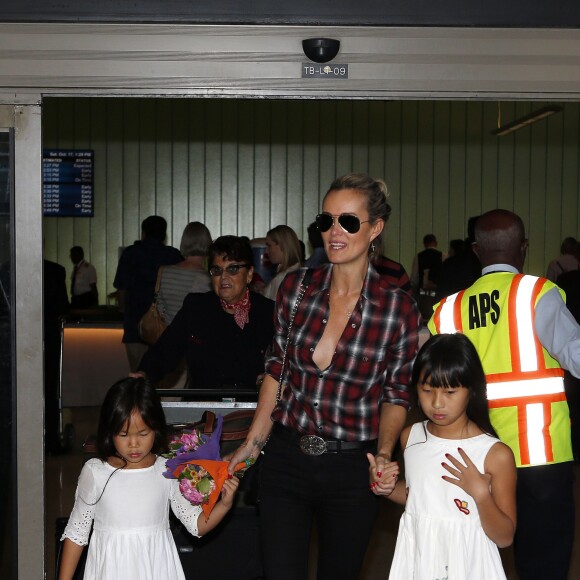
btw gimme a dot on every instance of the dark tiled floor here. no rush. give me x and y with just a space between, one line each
62 473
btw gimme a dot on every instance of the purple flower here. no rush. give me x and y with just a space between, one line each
206 448
191 441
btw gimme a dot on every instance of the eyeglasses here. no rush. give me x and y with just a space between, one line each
349 222
232 269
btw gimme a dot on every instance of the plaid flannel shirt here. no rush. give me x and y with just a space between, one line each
372 363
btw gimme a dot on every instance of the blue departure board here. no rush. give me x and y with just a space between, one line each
67 182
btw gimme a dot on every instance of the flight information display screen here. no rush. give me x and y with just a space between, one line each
67 182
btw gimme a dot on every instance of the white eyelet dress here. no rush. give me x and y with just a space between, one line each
440 534
131 536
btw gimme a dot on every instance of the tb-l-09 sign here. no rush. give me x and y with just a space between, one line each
326 71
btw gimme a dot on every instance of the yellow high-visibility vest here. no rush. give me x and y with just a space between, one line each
525 386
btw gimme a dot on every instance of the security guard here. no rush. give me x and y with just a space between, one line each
525 336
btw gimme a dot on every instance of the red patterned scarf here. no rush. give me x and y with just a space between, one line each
241 309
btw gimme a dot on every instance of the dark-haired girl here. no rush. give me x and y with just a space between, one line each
124 493
459 487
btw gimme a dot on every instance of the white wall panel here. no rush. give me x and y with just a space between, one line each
245 166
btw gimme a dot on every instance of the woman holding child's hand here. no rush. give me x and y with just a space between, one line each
383 475
346 365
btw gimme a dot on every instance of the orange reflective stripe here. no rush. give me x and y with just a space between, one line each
522 434
521 404
457 318
529 375
539 349
513 324
523 401
546 433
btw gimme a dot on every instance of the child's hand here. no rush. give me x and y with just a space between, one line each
382 482
221 508
229 490
468 477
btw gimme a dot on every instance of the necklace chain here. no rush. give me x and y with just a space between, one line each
347 312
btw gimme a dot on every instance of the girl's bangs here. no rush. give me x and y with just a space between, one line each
444 373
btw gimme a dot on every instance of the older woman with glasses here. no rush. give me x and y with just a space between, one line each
335 394
223 333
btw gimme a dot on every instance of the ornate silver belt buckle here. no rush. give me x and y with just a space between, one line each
312 445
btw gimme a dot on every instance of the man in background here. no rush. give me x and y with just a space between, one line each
425 275
392 271
570 283
55 305
83 287
318 256
462 268
135 281
567 261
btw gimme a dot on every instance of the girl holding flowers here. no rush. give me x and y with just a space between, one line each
124 492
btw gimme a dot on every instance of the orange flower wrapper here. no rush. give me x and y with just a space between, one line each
218 470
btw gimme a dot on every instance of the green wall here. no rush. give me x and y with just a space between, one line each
244 166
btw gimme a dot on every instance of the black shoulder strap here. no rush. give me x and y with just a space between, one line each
307 277
303 287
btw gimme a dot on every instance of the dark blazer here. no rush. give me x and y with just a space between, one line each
217 351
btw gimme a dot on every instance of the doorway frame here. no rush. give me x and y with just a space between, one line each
184 61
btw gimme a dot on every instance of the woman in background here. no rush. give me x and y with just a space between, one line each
567 261
179 280
187 276
284 250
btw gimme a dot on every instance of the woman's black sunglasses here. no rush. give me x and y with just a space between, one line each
347 221
232 269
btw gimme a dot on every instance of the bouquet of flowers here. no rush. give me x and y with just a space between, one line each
196 484
194 459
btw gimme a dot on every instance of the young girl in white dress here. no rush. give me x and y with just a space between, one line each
127 497
460 480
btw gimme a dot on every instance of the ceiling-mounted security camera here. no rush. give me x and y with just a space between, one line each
320 49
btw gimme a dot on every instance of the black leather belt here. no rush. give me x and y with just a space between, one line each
315 445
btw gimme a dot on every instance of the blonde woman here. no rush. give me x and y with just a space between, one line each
284 251
346 366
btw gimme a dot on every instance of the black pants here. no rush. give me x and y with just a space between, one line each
83 301
333 489
572 386
545 526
